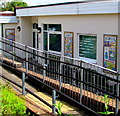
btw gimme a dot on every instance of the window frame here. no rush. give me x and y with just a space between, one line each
48 39
84 58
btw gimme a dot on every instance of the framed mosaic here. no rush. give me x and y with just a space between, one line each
110 52
68 44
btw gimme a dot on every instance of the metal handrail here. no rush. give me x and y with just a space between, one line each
77 74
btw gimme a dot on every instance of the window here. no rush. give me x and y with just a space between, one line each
87 46
55 42
52 37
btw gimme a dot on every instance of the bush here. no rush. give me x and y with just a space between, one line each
11 103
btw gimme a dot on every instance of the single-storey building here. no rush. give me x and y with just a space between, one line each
8 20
87 30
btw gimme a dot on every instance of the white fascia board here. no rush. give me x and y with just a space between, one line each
22 12
8 19
54 10
98 7
48 10
101 7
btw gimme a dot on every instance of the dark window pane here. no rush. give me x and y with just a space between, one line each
54 27
45 41
55 42
87 46
45 27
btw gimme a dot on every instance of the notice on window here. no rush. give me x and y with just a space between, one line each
87 46
110 52
68 44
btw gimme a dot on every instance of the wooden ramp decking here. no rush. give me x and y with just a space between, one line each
10 62
69 87
33 103
66 108
86 94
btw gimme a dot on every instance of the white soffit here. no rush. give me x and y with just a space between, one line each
8 19
101 7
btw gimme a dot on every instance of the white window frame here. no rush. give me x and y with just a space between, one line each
83 58
52 32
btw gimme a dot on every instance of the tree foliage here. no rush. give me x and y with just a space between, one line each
10 6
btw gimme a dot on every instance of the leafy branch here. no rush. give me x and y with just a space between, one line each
106 102
59 107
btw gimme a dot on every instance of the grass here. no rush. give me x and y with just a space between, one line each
11 104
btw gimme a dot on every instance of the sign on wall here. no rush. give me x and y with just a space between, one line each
10 34
110 52
68 44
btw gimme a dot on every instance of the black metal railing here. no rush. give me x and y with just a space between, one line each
80 81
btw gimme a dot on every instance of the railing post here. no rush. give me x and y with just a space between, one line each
26 58
3 47
117 100
60 80
44 71
53 101
13 50
0 46
81 85
1 51
23 83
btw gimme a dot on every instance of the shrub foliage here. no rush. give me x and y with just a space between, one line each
11 104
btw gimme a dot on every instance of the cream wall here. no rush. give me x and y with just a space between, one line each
34 19
84 24
26 30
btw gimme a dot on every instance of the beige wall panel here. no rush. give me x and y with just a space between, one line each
26 30
85 24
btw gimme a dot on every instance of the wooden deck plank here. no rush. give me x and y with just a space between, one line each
65 109
9 61
69 87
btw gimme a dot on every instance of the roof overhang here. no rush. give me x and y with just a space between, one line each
8 19
75 8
